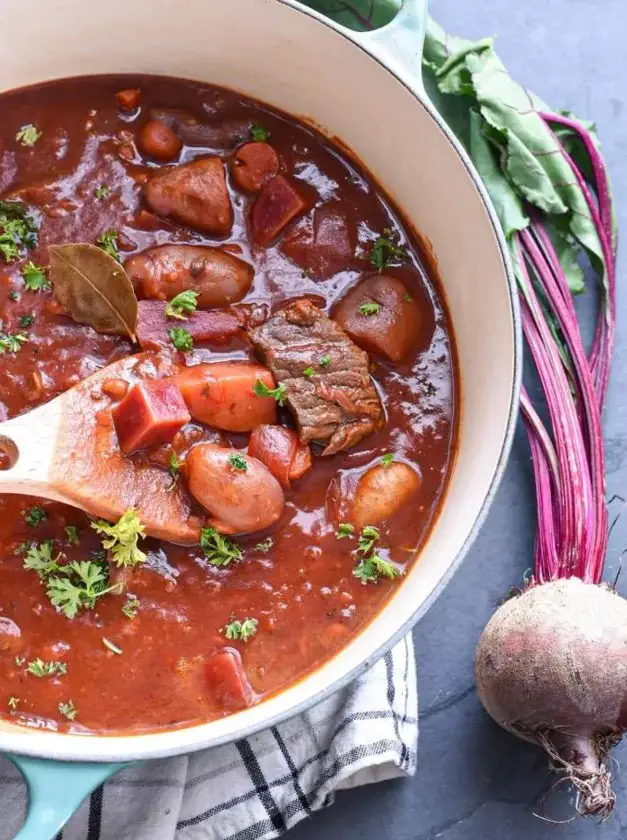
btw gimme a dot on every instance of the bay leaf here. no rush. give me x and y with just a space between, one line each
94 288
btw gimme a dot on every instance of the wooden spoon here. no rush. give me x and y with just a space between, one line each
67 450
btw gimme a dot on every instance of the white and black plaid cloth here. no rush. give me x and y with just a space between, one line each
261 786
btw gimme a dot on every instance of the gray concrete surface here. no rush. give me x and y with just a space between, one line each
474 781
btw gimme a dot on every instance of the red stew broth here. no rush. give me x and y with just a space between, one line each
302 592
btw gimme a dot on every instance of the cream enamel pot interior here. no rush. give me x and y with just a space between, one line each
366 90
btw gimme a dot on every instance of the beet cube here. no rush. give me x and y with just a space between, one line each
227 680
277 204
150 414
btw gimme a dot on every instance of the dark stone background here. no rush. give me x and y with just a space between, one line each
474 781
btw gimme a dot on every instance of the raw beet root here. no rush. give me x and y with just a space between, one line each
551 667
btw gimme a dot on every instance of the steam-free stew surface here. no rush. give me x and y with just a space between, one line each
152 665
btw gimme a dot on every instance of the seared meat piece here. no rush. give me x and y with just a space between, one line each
325 376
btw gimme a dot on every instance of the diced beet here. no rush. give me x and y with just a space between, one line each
277 204
214 327
323 243
227 680
128 99
150 414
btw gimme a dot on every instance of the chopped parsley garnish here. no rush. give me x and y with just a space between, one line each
35 279
67 709
308 372
131 607
219 550
388 459
18 229
174 468
78 585
111 646
259 133
265 546
344 530
109 244
386 251
28 135
39 559
34 516
181 339
20 660
371 565
39 668
407 297
27 321
279 393
181 305
241 630
102 192
13 703
11 343
325 361
369 307
238 462
72 532
15 296
122 538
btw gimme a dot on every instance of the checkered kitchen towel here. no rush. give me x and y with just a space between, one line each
260 787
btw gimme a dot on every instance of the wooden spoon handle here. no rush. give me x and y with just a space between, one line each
28 443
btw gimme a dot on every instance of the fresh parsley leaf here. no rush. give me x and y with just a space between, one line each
181 339
181 305
174 466
28 135
27 321
369 307
386 251
82 583
325 361
35 279
13 703
367 539
11 343
111 646
259 133
122 538
67 709
109 244
279 393
14 296
241 631
238 462
371 568
407 297
72 533
34 516
131 607
219 550
18 229
19 661
102 192
39 668
344 530
388 459
265 546
39 559
308 372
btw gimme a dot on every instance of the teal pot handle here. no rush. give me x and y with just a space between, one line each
397 44
55 790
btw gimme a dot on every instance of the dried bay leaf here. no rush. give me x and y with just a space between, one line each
94 288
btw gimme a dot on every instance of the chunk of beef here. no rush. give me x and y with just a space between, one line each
337 402
193 194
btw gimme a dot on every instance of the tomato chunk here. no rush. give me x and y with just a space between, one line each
227 680
150 414
277 204
215 327
221 395
280 449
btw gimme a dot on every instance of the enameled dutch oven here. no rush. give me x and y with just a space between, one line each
365 89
